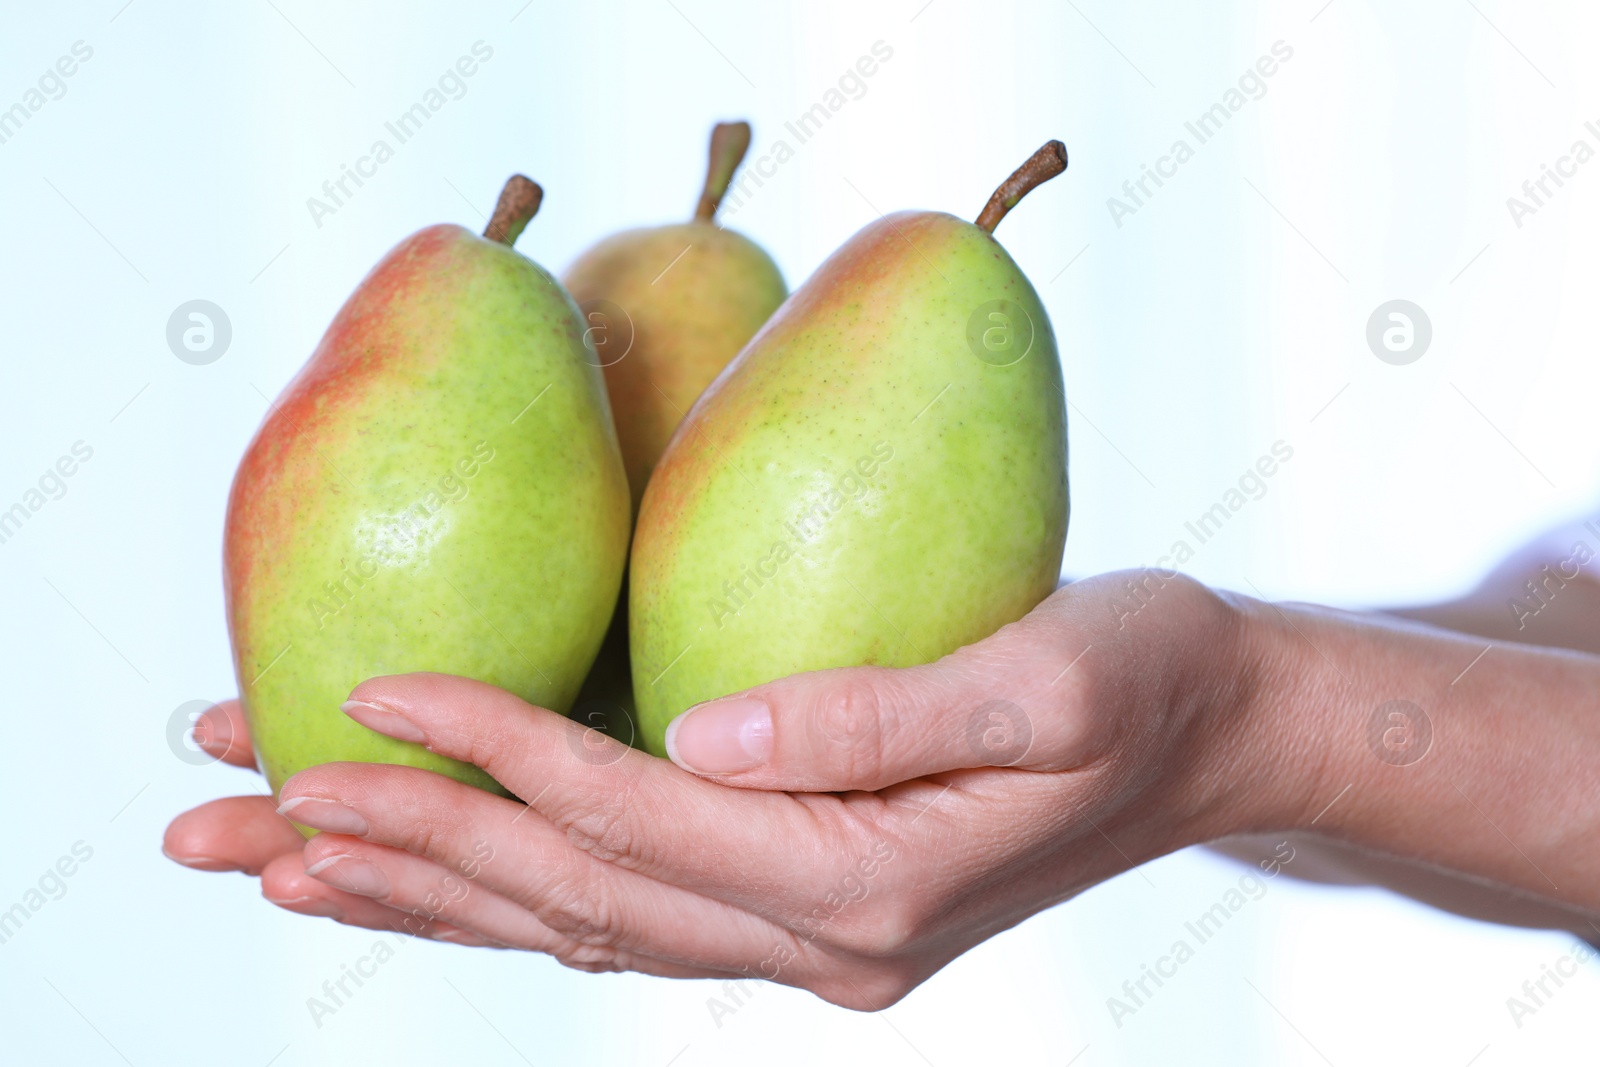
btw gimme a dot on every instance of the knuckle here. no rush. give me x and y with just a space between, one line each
850 724
602 831
581 909
590 959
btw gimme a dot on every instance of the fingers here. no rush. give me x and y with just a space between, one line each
524 858
285 883
231 834
247 834
421 891
992 704
618 804
222 732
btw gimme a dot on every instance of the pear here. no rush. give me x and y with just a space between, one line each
879 477
438 489
668 306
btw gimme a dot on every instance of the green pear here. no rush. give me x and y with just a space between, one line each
668 306
439 489
880 476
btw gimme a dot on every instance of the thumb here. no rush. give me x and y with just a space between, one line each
992 704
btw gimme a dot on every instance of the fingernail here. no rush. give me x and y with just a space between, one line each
352 874
385 721
214 736
317 906
319 814
721 736
203 863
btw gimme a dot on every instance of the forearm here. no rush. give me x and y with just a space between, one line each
1508 787
1547 593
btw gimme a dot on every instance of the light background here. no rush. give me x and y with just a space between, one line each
1227 313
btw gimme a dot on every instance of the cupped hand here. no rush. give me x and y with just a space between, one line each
247 834
846 831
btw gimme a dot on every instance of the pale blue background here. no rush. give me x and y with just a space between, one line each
1223 316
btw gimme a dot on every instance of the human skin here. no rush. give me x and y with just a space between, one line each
1198 716
1561 611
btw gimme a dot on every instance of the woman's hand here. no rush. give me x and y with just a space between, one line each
247 834
884 821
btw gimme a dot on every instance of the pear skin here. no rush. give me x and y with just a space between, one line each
880 477
669 306
439 489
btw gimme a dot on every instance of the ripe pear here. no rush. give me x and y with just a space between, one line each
880 477
439 489
668 306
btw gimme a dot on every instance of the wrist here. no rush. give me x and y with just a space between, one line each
1238 753
1265 750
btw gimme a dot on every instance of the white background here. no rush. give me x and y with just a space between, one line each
1228 313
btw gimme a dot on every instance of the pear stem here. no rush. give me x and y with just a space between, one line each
1046 163
519 202
729 142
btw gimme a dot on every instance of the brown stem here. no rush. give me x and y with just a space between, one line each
729 142
1043 165
519 202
